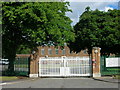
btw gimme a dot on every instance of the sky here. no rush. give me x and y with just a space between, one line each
78 7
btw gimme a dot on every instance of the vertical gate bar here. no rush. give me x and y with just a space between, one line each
47 67
64 65
39 67
76 66
88 66
79 65
43 67
52 66
46 64
40 64
82 66
85 65
73 65
22 64
18 64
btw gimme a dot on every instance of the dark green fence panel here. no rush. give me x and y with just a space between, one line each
21 66
108 70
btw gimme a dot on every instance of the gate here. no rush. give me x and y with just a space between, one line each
64 66
21 66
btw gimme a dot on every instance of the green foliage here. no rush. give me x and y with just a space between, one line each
23 50
33 24
98 29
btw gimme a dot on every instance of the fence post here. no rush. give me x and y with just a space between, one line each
96 62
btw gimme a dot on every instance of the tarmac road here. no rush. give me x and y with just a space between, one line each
62 83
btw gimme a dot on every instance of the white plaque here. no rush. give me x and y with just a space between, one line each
113 62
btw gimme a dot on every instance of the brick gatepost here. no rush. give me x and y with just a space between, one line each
96 62
34 61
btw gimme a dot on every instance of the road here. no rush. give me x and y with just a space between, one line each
61 83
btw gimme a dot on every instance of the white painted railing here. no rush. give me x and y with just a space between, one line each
65 66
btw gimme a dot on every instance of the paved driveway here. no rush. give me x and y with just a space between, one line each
62 83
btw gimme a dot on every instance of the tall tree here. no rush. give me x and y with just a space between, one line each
98 29
34 24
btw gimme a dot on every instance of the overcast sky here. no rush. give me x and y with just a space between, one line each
78 7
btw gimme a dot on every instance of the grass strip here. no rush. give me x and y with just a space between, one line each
8 78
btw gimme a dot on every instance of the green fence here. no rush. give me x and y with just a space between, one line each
108 70
21 66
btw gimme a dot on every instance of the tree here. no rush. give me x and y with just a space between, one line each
33 24
23 50
98 29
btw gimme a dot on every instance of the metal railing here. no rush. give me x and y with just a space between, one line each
21 67
109 70
65 66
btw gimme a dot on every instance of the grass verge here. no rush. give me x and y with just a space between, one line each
117 76
10 78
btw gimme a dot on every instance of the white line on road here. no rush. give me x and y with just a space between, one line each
16 82
3 83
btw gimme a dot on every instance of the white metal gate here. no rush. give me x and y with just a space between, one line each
64 66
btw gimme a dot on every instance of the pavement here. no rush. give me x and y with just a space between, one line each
107 79
74 82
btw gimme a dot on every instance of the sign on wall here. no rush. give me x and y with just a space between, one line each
113 62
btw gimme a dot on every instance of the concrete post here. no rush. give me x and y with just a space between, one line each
96 62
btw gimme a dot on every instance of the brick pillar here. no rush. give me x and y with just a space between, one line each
34 58
96 62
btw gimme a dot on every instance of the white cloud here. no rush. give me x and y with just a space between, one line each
92 0
107 8
79 7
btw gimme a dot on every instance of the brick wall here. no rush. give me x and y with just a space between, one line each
52 52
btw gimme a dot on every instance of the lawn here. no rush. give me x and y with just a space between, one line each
8 78
117 77
11 78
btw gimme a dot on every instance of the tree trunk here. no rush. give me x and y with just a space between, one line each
11 57
11 64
